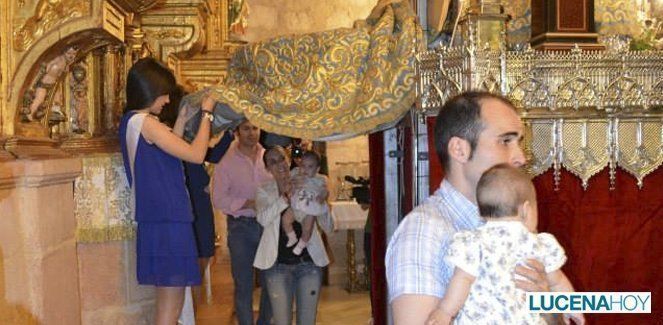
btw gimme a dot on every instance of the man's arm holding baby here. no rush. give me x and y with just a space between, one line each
416 308
536 279
414 267
559 282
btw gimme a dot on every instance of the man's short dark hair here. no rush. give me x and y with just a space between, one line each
461 117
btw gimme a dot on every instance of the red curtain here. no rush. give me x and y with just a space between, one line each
613 239
378 245
435 167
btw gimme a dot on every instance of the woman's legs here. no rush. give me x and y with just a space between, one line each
309 281
279 281
169 305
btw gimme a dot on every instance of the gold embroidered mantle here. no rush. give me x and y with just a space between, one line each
341 82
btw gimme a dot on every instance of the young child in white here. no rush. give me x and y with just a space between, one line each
308 197
484 258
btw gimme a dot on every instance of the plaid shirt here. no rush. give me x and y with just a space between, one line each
415 255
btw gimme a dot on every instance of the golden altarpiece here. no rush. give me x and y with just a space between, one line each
62 70
64 62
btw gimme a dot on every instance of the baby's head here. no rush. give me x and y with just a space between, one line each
504 191
310 164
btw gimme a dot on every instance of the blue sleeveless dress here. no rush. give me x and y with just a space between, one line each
166 252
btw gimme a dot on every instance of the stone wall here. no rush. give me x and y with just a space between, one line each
109 291
347 157
46 277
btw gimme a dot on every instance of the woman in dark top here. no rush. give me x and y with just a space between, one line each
197 182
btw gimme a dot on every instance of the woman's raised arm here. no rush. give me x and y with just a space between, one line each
164 138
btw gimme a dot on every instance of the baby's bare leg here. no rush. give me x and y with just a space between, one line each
307 228
286 223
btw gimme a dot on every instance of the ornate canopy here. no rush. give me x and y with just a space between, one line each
336 83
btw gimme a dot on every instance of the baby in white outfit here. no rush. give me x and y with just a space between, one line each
482 289
307 196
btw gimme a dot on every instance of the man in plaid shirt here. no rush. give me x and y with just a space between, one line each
473 132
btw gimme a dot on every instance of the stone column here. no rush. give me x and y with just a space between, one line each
112 68
98 92
560 24
38 265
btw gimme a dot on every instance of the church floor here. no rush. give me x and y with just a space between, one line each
337 306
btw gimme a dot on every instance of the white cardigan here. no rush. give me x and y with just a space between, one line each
269 206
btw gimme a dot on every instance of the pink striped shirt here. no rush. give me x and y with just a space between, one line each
236 180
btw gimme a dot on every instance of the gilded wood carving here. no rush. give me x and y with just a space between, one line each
47 15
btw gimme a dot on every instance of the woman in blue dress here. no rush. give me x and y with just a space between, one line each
166 255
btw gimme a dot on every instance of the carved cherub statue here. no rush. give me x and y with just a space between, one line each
53 71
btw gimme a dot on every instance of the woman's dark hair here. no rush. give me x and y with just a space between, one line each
268 152
169 113
147 80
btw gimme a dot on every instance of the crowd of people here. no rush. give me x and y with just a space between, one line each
453 258
271 215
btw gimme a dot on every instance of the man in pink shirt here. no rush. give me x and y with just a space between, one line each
236 179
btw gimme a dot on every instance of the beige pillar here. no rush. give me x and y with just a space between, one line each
38 264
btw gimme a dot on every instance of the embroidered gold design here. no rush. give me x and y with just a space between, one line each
102 197
343 81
